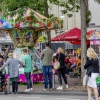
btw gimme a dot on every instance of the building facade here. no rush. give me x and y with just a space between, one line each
75 20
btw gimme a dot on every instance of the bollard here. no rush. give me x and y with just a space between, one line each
8 88
53 81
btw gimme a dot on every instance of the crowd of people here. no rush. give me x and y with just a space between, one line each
49 58
91 66
47 55
7 60
67 63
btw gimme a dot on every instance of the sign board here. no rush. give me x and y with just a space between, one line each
68 45
41 37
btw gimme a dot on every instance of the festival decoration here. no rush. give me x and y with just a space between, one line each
24 32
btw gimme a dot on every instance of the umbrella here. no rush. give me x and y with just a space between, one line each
73 36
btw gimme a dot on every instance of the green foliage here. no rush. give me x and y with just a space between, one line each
10 7
98 1
70 6
88 17
13 6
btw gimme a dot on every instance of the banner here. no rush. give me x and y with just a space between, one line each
95 42
93 36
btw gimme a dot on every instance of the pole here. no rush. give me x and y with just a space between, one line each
53 81
8 88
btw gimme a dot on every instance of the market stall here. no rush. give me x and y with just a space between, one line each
94 37
73 36
24 33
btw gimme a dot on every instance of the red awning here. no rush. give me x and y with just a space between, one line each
73 36
69 35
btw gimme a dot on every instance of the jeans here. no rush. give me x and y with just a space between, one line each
47 71
14 87
61 73
28 79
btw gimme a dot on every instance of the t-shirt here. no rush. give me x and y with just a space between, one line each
47 57
28 63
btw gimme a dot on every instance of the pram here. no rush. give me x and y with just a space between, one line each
3 82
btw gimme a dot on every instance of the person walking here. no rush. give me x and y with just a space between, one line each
61 71
13 71
92 66
27 64
47 54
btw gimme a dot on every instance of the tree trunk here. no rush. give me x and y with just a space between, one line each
47 15
83 36
87 10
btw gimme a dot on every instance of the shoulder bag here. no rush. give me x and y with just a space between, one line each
57 64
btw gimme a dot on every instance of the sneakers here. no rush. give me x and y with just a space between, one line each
92 99
50 89
60 88
27 90
45 89
12 92
66 86
31 89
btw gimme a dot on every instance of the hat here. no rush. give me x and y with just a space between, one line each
10 55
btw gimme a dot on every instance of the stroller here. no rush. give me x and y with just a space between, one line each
3 82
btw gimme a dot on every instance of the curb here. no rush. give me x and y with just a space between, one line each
75 93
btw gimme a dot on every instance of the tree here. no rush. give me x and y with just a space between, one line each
83 4
84 12
11 7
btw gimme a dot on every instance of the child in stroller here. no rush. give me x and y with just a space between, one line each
2 78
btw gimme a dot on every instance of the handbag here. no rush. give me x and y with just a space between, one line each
89 70
57 64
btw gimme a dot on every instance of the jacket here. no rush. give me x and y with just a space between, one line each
13 67
61 58
92 65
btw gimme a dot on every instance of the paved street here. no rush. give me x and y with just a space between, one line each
40 97
72 93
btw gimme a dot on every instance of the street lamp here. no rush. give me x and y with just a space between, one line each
62 16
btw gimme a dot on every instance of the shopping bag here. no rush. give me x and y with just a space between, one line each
98 80
85 80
